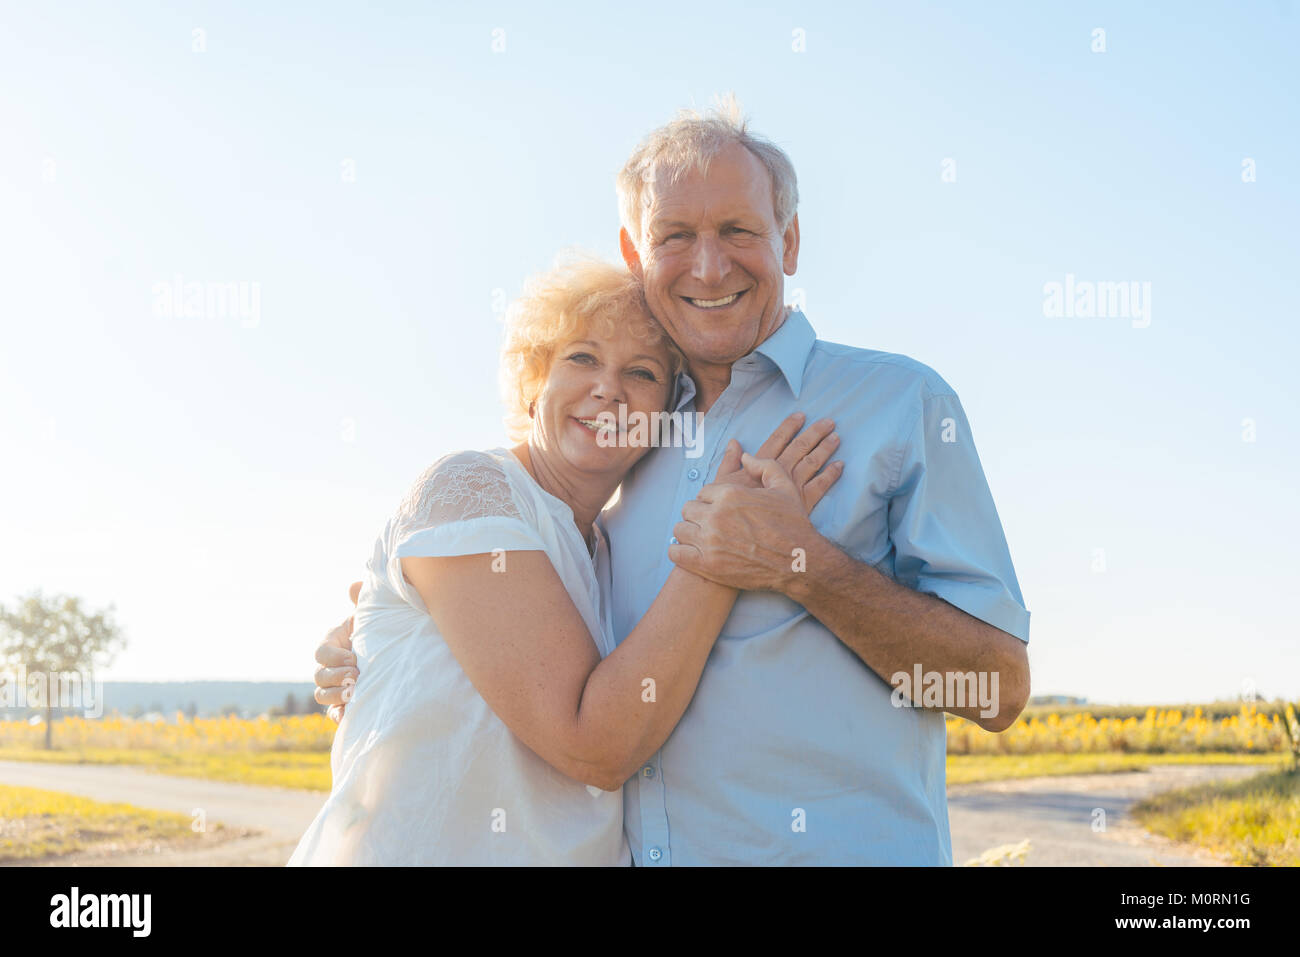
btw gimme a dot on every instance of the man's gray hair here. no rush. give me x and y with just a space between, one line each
690 142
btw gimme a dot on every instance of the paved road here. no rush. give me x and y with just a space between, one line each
1056 814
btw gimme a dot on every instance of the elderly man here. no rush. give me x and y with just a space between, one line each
816 735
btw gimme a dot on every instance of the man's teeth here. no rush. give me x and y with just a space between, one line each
598 426
713 303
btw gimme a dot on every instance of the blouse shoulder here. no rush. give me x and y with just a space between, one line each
457 488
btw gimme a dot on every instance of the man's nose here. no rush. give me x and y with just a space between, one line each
711 264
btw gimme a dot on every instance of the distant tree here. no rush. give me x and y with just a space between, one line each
192 711
230 709
290 704
56 636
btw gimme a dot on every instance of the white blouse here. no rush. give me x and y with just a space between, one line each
424 771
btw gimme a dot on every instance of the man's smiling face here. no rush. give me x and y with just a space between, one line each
713 259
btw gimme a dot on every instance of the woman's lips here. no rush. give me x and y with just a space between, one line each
588 429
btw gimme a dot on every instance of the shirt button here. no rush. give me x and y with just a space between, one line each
655 853
648 772
693 474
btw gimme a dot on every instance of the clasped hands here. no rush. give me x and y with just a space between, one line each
744 529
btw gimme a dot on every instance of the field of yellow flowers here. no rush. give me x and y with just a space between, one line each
313 732
1157 732
290 752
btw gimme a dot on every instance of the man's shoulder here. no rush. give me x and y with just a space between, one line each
893 369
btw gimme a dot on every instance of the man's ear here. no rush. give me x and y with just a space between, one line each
630 255
790 258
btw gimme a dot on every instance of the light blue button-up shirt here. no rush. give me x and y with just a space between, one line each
791 752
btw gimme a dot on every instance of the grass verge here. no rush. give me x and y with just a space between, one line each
1252 822
36 825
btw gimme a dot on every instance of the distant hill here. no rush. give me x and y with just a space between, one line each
1057 699
206 698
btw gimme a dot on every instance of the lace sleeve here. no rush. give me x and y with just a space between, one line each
461 505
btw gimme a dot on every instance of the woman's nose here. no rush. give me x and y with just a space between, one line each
603 389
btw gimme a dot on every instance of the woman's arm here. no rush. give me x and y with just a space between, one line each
528 652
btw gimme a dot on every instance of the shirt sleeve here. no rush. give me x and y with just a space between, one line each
947 538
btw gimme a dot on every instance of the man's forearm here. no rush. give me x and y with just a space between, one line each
895 629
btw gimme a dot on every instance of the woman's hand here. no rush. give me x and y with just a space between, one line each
801 455
336 678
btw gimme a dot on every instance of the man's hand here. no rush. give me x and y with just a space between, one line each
750 538
337 675
801 454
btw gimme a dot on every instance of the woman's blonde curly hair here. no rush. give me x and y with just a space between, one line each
580 296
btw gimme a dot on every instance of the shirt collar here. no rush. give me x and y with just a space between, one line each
789 347
684 392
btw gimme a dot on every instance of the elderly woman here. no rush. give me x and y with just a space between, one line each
495 720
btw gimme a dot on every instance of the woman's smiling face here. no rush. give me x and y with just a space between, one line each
590 379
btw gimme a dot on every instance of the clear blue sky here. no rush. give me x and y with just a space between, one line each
221 482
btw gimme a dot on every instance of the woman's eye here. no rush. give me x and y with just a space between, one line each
645 374
581 357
